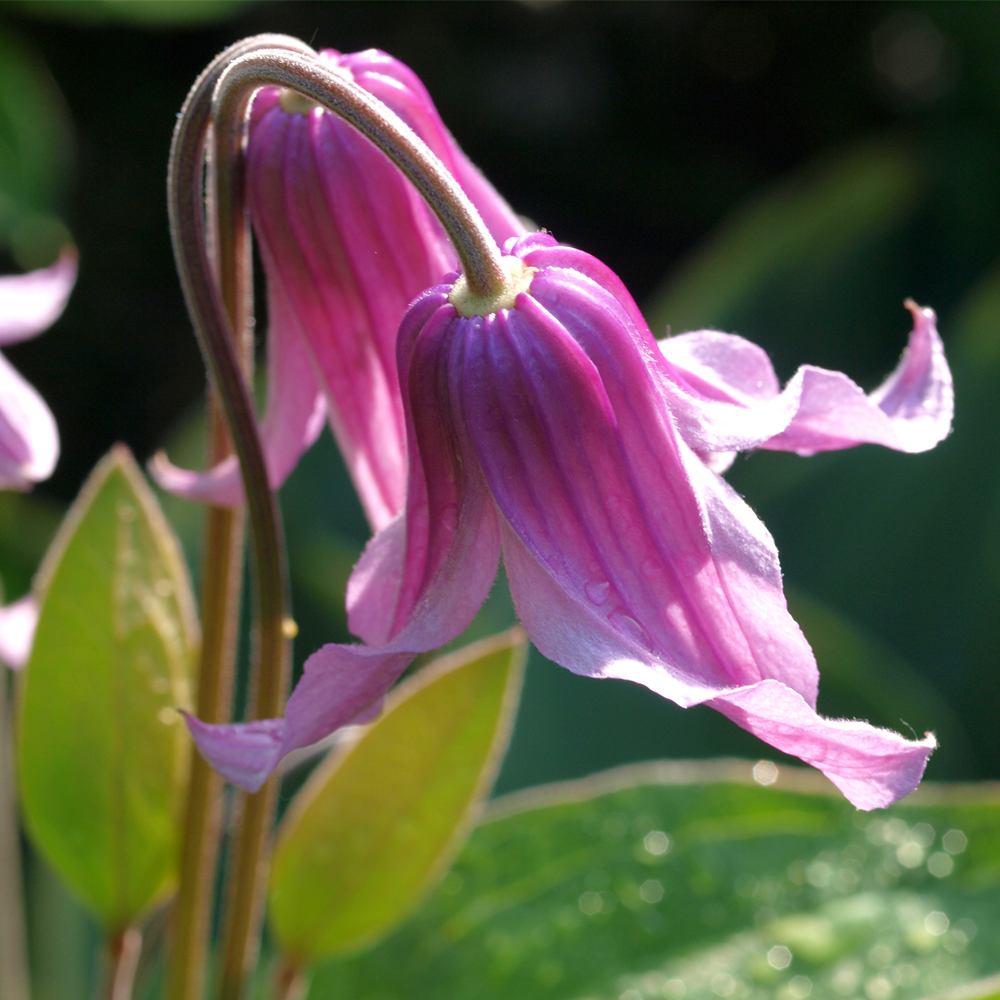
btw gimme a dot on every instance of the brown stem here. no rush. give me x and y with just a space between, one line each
224 531
14 984
123 960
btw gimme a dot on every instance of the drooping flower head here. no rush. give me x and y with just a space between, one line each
29 441
347 244
550 426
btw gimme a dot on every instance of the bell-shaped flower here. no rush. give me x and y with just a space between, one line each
29 441
551 427
347 244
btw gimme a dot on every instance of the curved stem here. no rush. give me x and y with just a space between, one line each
196 251
476 248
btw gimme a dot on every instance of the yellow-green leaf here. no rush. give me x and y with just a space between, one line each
102 750
377 823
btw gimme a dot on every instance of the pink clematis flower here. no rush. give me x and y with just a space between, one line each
29 441
557 431
347 244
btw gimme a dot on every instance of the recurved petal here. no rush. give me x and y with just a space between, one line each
29 441
17 631
32 302
873 767
341 685
911 411
626 556
293 419
244 753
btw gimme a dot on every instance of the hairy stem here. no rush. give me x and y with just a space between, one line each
476 248
14 983
123 960
223 554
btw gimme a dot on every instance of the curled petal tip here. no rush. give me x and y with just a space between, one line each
243 753
221 486
32 302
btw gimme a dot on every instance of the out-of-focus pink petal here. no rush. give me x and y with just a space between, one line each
293 419
29 441
911 411
341 685
32 302
872 767
244 753
634 561
401 89
17 631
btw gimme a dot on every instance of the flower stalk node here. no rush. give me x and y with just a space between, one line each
468 302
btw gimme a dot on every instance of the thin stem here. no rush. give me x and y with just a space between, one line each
476 248
123 960
14 983
223 553
290 981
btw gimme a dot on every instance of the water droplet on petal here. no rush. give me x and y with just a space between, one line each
628 626
597 591
689 564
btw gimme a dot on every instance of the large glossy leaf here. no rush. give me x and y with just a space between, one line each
379 821
102 750
676 880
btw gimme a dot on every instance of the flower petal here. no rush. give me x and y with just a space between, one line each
32 302
293 419
29 441
244 753
873 767
341 685
626 556
911 412
422 579
17 631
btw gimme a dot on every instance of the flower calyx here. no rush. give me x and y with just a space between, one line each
517 279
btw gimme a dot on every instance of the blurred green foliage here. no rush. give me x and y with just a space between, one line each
690 880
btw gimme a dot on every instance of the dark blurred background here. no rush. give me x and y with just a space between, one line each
791 172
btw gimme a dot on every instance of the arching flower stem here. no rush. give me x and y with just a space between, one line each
477 250
215 273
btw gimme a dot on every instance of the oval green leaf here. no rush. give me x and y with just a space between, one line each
102 750
379 821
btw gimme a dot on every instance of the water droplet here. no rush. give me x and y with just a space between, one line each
765 773
936 923
651 891
779 957
954 841
656 842
629 626
597 591
689 564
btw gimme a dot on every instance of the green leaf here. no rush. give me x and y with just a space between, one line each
821 214
102 750
674 880
378 823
